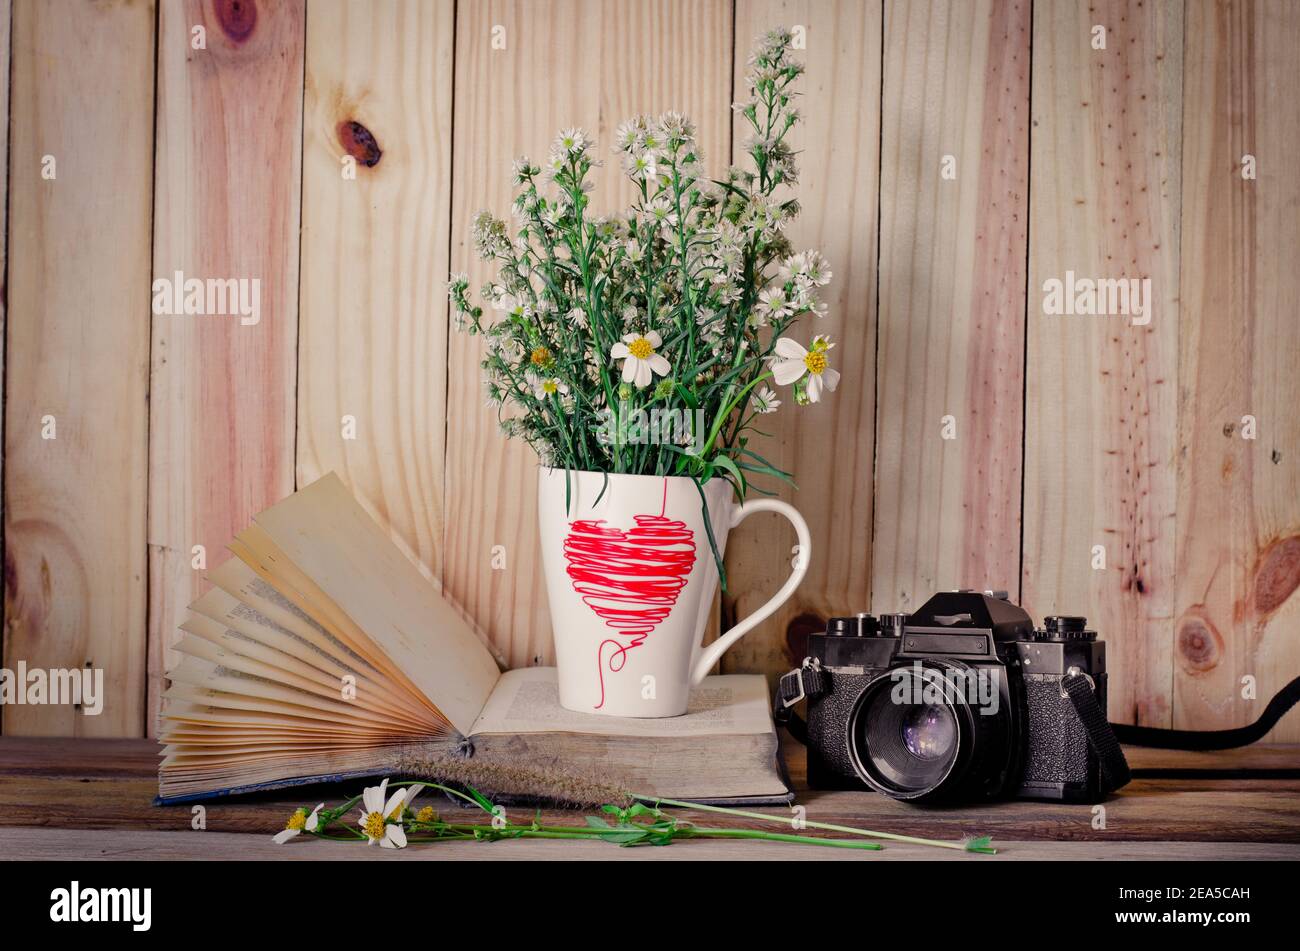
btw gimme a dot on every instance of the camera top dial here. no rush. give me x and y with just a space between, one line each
859 625
1065 627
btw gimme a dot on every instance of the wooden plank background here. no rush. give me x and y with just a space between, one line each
1101 408
954 213
227 183
956 156
78 354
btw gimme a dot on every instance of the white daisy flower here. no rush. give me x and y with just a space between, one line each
807 269
791 362
545 386
627 134
375 813
814 267
765 401
677 126
555 164
773 303
640 362
642 165
652 138
661 213
572 141
511 306
299 822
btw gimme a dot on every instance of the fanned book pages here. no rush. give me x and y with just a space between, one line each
322 653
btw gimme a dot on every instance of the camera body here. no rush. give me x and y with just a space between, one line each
962 700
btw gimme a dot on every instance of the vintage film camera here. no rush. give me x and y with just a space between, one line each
963 700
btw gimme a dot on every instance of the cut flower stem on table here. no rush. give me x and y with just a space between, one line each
390 820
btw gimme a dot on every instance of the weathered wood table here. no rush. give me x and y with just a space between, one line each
92 799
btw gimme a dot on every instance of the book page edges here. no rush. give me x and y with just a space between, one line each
333 541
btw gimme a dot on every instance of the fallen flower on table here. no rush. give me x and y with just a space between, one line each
391 823
298 823
382 821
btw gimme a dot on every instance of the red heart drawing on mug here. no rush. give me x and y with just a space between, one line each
630 578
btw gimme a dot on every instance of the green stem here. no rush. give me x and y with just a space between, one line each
784 837
829 827
567 832
726 410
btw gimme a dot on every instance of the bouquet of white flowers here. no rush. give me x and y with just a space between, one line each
648 342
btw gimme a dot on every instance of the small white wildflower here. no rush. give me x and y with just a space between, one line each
642 166
573 141
627 135
661 213
765 401
791 362
773 303
298 823
512 306
376 812
545 386
640 361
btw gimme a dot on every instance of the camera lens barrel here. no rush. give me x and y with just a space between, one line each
911 737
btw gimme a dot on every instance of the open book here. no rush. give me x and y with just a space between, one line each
322 653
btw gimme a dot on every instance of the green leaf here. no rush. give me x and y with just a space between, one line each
725 462
479 798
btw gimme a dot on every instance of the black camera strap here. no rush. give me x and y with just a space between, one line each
806 682
1159 737
1101 736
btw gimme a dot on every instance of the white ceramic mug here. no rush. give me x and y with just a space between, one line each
631 578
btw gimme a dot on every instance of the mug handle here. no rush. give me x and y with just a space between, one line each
710 655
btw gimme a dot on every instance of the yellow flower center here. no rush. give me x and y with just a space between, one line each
541 356
640 348
549 387
374 825
297 821
815 361
426 814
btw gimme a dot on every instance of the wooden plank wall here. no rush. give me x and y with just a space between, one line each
1237 547
227 183
78 354
1101 405
954 203
957 156
372 344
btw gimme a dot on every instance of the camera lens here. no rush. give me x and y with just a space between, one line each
929 731
906 734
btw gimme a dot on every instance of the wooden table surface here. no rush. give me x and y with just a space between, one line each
93 799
